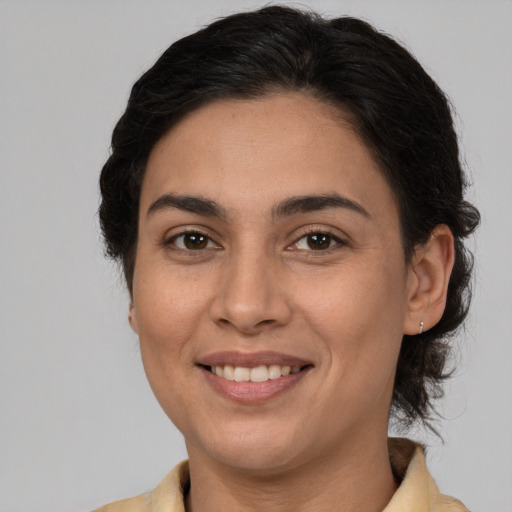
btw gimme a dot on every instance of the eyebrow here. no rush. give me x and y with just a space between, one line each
312 203
294 205
191 204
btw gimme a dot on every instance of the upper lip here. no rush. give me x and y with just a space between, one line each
251 360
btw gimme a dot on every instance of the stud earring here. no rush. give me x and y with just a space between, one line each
421 326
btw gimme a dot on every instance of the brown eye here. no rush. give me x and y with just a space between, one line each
192 241
317 242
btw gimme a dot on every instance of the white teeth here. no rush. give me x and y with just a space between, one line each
274 371
242 374
259 374
229 372
256 374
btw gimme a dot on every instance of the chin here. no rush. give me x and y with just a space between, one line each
258 451
257 461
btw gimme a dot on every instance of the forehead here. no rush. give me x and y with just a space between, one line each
250 154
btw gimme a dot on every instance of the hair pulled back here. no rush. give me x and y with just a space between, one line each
394 105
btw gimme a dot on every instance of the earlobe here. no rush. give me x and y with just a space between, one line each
132 318
429 275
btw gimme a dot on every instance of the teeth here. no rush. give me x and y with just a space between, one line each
242 374
274 371
257 374
229 372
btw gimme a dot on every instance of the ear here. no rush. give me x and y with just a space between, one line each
132 318
429 275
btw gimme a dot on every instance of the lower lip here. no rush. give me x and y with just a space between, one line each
252 392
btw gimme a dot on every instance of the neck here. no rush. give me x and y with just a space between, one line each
357 477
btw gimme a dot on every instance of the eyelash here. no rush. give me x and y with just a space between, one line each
334 242
171 242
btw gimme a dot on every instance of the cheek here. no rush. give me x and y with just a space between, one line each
358 316
168 301
168 315
169 311
348 297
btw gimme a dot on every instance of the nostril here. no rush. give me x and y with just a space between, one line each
245 326
265 322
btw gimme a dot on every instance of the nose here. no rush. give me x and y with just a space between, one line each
252 296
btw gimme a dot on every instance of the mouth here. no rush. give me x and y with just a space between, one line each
253 378
260 373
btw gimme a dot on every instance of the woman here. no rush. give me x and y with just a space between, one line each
286 198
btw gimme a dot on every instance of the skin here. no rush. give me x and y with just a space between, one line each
257 285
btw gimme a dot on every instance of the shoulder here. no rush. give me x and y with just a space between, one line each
449 504
418 490
140 503
168 496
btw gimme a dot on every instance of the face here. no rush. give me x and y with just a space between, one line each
270 288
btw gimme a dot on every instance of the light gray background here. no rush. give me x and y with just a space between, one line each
78 423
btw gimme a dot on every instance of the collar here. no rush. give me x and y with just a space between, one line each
417 490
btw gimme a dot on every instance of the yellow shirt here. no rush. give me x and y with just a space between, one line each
417 492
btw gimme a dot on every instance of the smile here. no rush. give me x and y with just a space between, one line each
258 374
253 378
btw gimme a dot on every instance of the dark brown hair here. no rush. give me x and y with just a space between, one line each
402 115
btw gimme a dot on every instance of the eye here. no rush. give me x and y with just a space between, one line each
192 241
317 241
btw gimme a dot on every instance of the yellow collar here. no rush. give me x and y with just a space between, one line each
417 492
